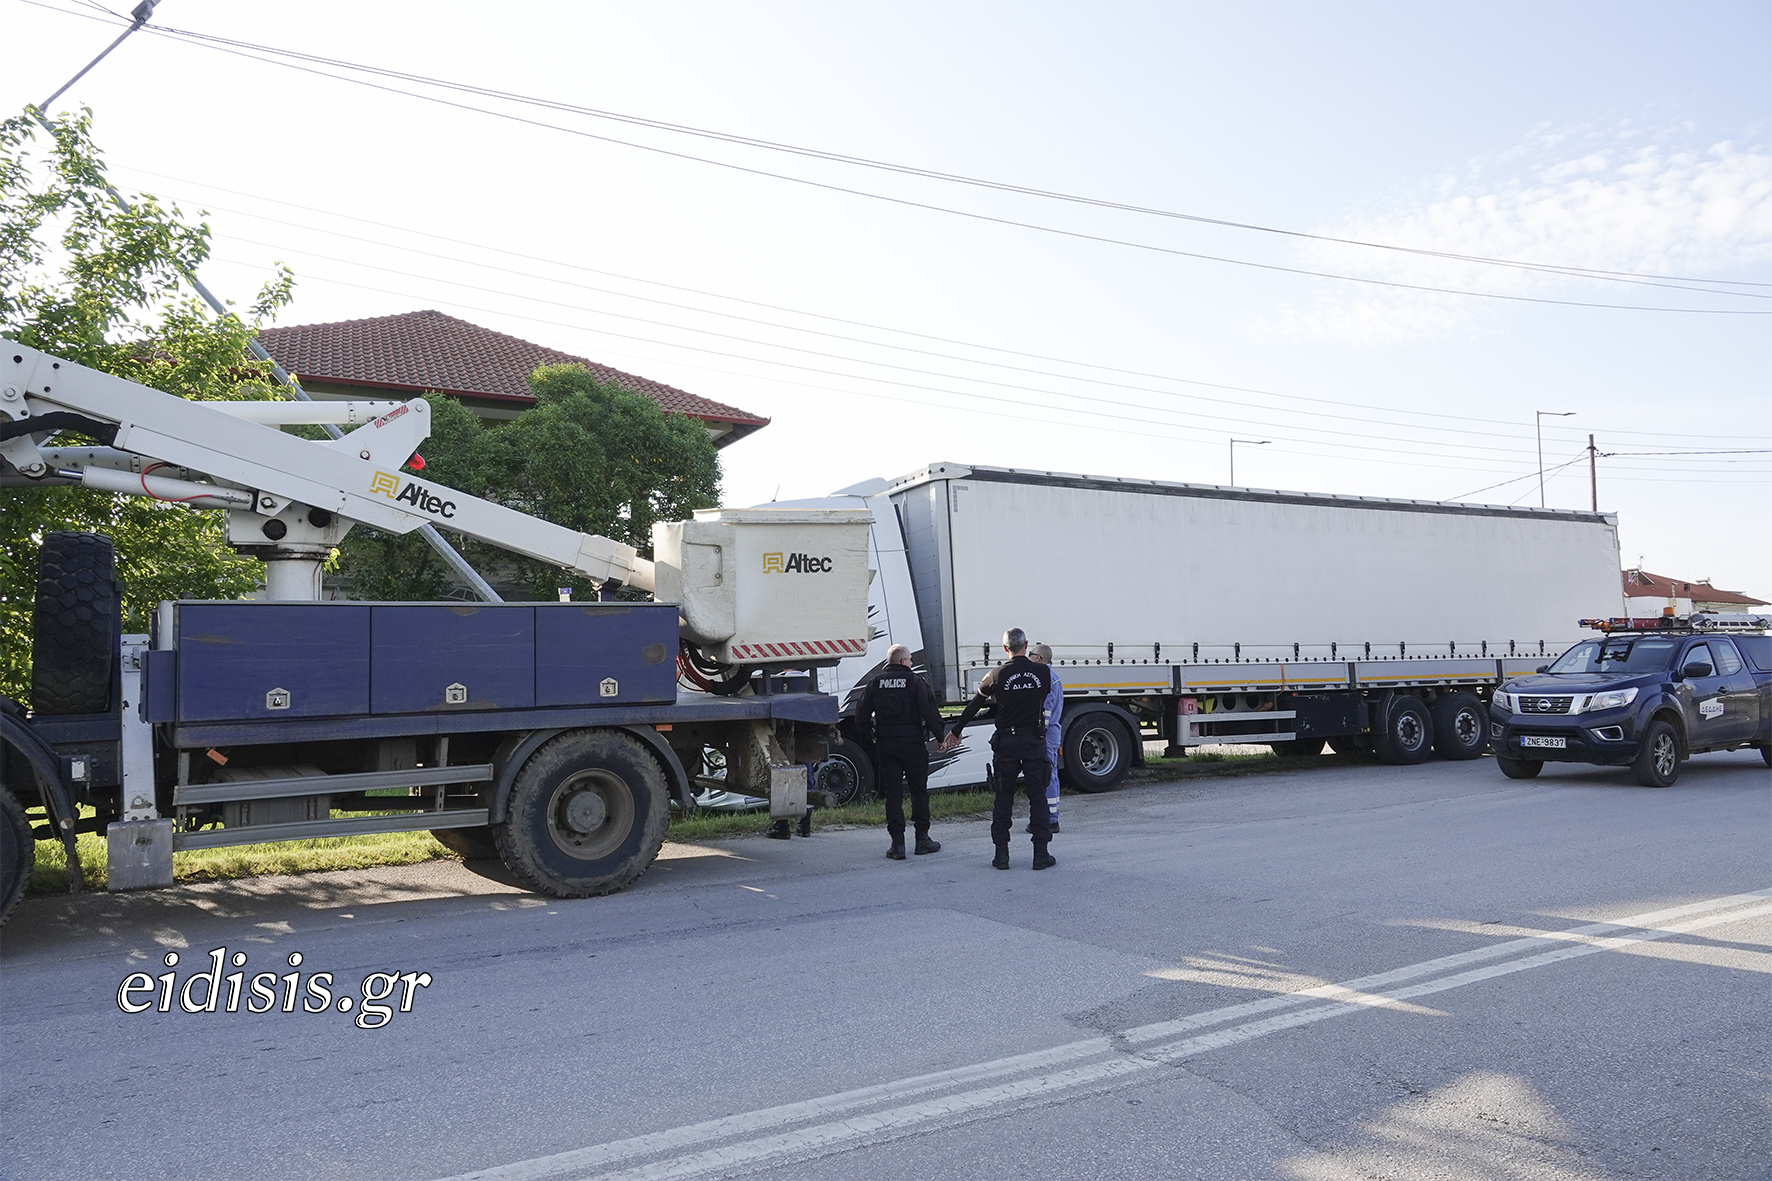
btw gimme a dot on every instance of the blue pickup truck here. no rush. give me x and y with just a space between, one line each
1647 694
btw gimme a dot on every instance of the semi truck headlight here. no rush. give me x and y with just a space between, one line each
1612 700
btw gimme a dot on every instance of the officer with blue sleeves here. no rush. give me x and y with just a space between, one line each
1042 654
1017 689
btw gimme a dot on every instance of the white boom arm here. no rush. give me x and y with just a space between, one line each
216 455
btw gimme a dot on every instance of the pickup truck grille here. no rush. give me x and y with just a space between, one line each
1544 705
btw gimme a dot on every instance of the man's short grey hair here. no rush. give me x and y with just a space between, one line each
898 654
1015 640
1041 652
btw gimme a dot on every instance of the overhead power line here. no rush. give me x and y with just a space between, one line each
997 407
1090 399
1678 282
293 60
1308 400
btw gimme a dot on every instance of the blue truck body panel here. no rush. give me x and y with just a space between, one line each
233 663
817 708
232 655
419 651
586 646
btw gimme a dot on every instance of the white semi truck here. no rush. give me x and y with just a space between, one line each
1200 615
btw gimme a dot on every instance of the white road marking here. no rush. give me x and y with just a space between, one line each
1121 1059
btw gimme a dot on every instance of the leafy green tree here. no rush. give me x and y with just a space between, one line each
88 282
588 456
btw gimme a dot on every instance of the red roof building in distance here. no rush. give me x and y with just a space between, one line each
429 352
1682 594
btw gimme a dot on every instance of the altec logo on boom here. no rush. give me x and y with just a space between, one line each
414 494
795 564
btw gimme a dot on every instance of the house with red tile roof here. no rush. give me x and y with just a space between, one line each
487 371
1645 594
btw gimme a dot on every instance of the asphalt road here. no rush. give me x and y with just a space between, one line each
1351 972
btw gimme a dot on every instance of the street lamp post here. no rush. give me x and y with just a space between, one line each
1538 417
1250 442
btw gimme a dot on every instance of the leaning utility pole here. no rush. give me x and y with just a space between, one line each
1593 474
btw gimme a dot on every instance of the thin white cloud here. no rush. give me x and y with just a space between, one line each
1608 201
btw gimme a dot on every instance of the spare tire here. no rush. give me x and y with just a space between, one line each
75 625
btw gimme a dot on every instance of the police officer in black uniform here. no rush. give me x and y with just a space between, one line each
896 709
1018 688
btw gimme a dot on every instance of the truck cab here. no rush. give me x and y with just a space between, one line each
1645 694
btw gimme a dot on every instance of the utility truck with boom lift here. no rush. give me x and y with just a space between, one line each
552 735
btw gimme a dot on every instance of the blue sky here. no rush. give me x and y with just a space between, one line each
1621 137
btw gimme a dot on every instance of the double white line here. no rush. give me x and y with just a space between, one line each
813 1127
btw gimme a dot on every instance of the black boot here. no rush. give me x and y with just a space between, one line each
1043 859
781 830
806 824
897 850
1001 860
925 845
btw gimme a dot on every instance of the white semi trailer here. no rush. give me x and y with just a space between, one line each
1203 615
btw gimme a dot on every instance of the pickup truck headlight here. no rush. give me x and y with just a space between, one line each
1503 702
1613 700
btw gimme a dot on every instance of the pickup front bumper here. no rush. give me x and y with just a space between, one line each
1607 738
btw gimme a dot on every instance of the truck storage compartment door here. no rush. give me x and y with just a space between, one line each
605 653
426 657
264 661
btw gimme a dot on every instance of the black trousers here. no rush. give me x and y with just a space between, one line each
1021 763
902 762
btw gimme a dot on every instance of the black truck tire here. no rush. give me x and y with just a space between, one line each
1519 768
1658 759
586 814
1097 751
74 624
1407 736
474 844
847 773
1461 726
1766 755
18 852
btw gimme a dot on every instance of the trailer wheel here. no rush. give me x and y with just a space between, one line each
1519 768
1766 755
1097 751
1407 734
1298 748
1658 759
1461 726
586 814
17 853
474 844
847 773
74 624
